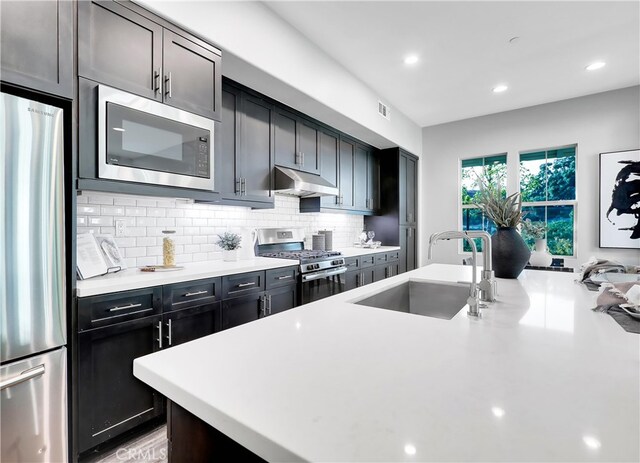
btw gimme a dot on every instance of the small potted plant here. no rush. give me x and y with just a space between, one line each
229 243
509 252
537 232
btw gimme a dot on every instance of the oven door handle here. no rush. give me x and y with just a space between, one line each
329 273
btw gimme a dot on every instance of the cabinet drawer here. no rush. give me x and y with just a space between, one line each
107 309
281 277
367 261
352 263
393 256
244 283
380 258
190 294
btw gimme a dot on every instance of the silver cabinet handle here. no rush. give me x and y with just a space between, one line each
156 80
170 331
244 186
26 375
284 277
269 301
124 307
244 285
239 186
263 306
197 293
362 279
159 334
167 81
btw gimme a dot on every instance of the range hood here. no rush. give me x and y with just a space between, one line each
297 183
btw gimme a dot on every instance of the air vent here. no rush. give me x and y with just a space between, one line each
383 110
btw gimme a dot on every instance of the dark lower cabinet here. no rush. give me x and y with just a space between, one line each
281 299
36 45
241 310
110 399
189 324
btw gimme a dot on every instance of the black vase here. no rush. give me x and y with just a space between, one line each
509 253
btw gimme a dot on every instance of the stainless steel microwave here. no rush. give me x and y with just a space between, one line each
141 140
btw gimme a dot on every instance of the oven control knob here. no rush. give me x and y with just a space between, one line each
336 262
316 266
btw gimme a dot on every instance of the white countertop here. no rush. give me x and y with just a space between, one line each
540 377
355 252
133 278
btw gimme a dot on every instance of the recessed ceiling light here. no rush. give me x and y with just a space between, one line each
591 442
410 449
596 65
500 88
411 59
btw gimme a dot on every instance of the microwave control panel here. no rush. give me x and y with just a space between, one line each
202 158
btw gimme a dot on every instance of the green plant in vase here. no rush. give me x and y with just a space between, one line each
229 243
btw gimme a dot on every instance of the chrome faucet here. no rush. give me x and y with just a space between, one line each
472 300
488 285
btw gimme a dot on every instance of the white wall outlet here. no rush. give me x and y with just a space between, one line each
121 227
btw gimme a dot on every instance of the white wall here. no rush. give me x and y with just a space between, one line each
264 52
608 121
197 225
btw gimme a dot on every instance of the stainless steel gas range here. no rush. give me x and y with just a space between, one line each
321 272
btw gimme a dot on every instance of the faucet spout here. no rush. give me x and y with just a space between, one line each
472 301
488 285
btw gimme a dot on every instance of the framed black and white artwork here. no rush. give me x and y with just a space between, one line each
620 199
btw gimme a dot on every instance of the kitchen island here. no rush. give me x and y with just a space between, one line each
540 377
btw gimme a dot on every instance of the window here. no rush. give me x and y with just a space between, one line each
548 188
472 218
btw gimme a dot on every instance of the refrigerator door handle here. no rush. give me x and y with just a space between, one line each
22 377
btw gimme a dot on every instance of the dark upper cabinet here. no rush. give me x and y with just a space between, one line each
120 48
227 141
36 45
254 161
360 178
244 149
124 49
189 76
408 189
285 143
295 142
346 184
373 181
328 146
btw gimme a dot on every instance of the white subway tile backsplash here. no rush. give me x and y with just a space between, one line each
136 211
88 210
112 210
197 225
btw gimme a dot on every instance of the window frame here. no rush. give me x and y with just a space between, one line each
564 202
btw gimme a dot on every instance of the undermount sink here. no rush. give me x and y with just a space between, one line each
421 297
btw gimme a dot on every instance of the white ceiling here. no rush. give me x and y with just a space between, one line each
464 50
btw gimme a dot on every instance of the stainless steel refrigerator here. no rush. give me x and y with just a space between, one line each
33 371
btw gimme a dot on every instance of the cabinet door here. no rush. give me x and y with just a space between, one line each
373 182
347 161
360 173
380 272
191 76
227 144
284 134
408 252
411 190
282 299
36 45
352 280
329 143
189 324
308 147
368 276
119 47
241 310
110 399
256 147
